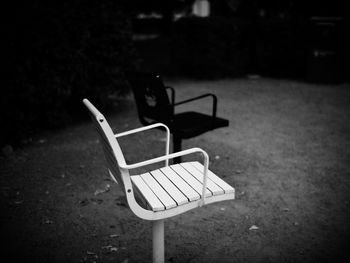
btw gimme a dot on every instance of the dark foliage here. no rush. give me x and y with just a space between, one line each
281 47
208 47
218 47
58 53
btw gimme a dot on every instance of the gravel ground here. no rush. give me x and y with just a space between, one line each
286 151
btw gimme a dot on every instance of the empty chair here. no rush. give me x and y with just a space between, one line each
154 105
164 192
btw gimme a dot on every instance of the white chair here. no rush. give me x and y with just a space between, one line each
165 192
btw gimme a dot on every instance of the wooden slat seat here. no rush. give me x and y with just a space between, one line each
228 189
161 191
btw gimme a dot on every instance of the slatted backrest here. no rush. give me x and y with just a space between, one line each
151 97
113 154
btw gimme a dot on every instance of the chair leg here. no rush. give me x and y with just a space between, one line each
158 241
176 148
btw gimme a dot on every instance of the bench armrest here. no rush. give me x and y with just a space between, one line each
215 100
152 126
172 92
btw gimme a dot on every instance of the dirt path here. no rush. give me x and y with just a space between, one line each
287 152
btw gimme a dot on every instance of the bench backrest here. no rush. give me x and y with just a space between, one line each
153 104
112 151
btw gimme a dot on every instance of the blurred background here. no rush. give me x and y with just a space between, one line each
56 53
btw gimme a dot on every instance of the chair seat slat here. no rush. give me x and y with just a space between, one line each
180 183
169 187
227 188
147 193
214 188
190 179
162 195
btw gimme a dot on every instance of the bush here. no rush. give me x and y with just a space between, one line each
281 47
208 47
58 54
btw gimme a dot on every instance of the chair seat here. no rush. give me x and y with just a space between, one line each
190 124
178 184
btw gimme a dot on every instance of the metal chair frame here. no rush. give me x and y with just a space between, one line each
119 171
163 109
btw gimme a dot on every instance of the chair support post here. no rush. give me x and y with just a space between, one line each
158 241
177 148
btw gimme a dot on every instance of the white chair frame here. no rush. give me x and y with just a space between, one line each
118 168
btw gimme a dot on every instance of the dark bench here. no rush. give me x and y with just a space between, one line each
154 105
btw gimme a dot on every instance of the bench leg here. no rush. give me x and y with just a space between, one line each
177 148
158 241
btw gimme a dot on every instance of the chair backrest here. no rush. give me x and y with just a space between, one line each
112 151
153 104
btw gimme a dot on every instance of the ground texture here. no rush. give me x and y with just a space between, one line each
286 151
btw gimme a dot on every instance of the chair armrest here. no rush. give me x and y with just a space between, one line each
152 126
215 100
174 155
172 92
